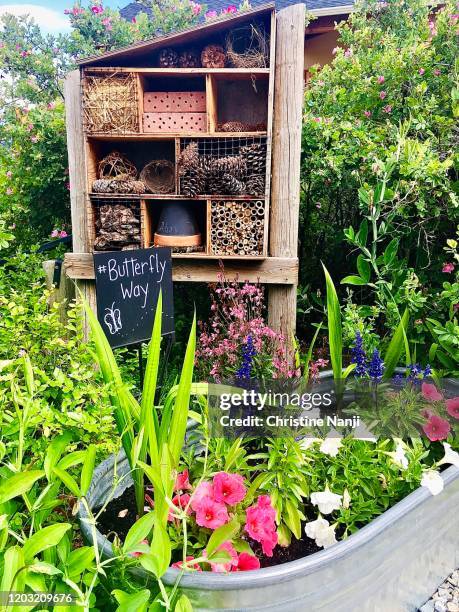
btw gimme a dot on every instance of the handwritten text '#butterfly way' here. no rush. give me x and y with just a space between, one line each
131 267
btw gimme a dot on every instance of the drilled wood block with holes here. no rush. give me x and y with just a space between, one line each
174 122
175 102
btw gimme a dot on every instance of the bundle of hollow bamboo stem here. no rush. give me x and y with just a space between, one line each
237 227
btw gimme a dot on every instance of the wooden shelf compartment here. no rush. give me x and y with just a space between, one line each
168 135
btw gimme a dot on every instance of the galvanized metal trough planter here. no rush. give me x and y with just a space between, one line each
394 564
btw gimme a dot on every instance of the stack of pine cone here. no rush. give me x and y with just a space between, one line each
239 174
117 228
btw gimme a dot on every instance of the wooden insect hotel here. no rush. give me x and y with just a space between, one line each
192 140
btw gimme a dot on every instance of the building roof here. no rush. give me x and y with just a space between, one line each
319 7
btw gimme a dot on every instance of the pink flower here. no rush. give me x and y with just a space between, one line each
34 139
225 567
9 191
335 50
30 127
195 8
204 489
437 72
448 268
381 79
229 9
96 10
138 554
367 113
387 108
260 524
382 94
246 562
55 233
182 481
181 501
134 20
211 15
107 22
431 393
51 106
211 514
9 174
421 71
189 566
229 488
348 53
452 406
63 234
436 428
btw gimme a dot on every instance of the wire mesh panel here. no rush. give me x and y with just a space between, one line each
117 224
237 227
222 166
110 103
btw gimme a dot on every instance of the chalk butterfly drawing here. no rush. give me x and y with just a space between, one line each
113 319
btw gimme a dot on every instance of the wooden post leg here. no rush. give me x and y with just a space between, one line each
285 185
63 294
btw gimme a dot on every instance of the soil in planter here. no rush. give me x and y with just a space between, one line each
111 523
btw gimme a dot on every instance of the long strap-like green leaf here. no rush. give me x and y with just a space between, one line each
335 331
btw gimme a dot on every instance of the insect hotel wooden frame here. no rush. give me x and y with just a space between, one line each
176 114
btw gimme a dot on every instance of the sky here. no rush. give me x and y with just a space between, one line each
49 14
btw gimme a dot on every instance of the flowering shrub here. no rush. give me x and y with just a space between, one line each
237 341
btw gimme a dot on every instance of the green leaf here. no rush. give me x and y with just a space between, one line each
396 346
130 602
362 234
353 280
44 539
364 268
335 331
182 402
72 459
88 469
79 560
293 518
69 481
220 535
13 579
139 531
432 352
40 567
18 484
183 605
54 452
161 549
391 251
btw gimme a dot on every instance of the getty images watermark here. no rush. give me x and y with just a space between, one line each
328 407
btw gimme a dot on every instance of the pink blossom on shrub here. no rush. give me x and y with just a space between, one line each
421 71
96 9
431 393
229 488
55 233
181 501
387 109
448 268
246 562
211 514
211 15
452 406
225 567
9 174
260 524
229 10
182 481
196 8
436 428
9 191
63 234
367 113
204 489
190 566
381 79
437 72
382 94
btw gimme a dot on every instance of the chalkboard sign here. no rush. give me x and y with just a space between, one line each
127 288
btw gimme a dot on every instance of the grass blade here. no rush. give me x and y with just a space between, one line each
335 330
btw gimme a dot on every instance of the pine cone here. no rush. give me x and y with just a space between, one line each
232 185
189 59
233 126
168 58
255 185
213 56
234 164
192 185
188 158
255 156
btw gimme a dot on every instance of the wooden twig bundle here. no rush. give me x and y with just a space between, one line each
237 227
118 185
248 47
115 166
159 176
117 227
110 104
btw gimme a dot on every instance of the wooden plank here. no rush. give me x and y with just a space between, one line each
193 33
273 270
211 101
285 186
140 102
153 136
168 196
209 227
234 73
78 177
